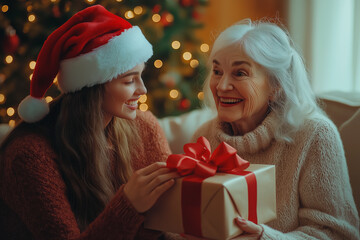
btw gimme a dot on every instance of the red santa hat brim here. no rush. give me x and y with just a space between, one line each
106 62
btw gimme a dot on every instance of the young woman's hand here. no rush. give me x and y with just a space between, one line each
146 185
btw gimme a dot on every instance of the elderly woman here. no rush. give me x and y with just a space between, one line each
268 112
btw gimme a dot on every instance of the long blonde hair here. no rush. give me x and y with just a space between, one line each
86 152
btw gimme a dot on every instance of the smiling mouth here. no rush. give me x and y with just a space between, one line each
132 103
230 101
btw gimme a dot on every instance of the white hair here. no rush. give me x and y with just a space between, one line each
271 47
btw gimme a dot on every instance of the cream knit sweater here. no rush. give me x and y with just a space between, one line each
314 196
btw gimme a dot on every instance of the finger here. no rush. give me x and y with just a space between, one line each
248 226
160 189
146 180
160 179
151 168
161 171
157 172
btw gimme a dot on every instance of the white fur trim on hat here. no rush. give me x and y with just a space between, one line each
118 55
33 109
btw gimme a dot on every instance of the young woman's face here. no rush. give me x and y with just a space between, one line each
122 94
240 86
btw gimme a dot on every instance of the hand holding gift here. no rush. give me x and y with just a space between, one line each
206 203
146 185
250 230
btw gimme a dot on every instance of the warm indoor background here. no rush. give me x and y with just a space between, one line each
222 14
326 32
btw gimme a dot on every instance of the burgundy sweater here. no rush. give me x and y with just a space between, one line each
33 201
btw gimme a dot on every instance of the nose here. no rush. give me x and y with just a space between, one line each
224 84
141 89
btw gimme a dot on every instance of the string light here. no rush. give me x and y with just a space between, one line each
90 1
204 47
31 18
174 93
5 8
138 10
32 65
200 95
10 111
55 80
143 98
29 8
53 1
129 14
187 55
194 63
48 99
175 44
156 18
143 107
67 7
158 63
169 17
119 0
2 98
30 77
12 123
9 59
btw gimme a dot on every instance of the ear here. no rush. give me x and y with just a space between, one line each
272 95
275 93
274 87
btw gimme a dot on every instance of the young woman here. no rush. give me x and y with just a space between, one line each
89 167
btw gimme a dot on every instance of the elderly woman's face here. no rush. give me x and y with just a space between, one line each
240 87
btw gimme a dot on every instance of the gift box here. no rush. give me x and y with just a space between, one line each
215 189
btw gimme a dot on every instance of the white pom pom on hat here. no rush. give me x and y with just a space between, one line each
33 109
92 47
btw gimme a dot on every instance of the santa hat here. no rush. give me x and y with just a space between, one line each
92 47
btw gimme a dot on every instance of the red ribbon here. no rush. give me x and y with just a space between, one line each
199 163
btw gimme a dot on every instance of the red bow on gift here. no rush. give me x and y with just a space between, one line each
198 159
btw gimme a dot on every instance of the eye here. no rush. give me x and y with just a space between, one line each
240 73
217 72
129 81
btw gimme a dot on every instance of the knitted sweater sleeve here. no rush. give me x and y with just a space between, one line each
33 188
155 148
154 144
327 209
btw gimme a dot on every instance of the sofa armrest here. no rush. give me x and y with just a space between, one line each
350 134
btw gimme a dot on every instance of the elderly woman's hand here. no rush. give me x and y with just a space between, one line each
251 230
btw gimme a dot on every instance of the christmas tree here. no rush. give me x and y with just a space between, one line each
173 76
